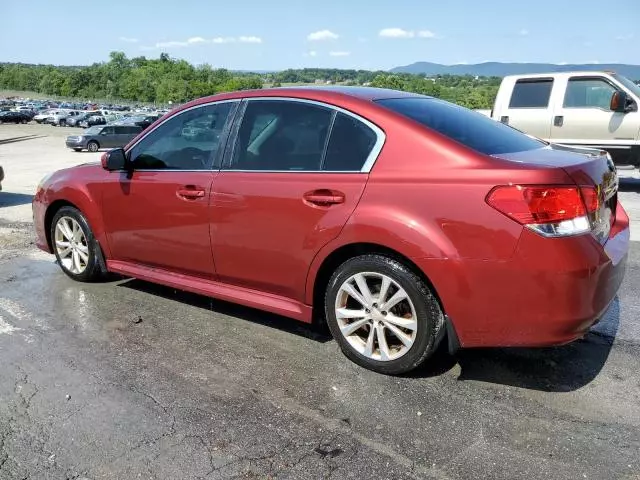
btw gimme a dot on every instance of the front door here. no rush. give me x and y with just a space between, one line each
295 176
160 216
585 116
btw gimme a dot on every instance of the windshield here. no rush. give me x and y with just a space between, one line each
93 130
465 126
635 89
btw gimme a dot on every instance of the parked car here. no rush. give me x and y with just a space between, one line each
590 109
76 120
400 219
92 120
1 177
60 118
43 116
108 136
14 117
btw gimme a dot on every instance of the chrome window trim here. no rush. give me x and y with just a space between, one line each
171 117
371 158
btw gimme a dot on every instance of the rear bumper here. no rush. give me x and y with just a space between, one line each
549 293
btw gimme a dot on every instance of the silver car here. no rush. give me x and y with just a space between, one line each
103 136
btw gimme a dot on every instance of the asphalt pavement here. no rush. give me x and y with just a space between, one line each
128 380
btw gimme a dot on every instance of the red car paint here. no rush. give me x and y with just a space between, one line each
260 239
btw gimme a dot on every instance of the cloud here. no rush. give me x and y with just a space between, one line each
313 53
524 32
202 41
250 39
396 32
426 34
339 54
322 35
128 39
223 40
627 36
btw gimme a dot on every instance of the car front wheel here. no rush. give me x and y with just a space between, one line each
383 316
93 146
76 249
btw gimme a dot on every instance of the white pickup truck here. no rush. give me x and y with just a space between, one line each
585 109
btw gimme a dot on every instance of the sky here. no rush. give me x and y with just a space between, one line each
279 34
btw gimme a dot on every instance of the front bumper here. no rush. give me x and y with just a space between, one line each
75 144
39 209
549 293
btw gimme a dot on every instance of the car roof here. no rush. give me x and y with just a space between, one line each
580 73
322 93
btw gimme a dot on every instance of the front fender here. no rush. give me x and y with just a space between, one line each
86 198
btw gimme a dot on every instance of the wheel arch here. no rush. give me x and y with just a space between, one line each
88 208
343 253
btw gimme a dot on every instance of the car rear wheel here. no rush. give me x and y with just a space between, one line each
76 249
383 316
93 146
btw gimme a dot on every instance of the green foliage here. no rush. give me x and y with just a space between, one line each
166 79
138 79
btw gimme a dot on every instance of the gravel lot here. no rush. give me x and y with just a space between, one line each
129 380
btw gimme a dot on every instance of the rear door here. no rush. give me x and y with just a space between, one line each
584 116
529 108
291 179
108 137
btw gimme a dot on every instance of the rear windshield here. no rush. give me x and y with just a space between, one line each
465 126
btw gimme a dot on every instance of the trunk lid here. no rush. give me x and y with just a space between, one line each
586 167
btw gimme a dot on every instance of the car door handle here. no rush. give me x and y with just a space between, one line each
324 197
558 121
190 192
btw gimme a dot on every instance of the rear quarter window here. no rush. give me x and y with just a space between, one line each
462 125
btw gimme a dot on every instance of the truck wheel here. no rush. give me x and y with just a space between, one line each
93 146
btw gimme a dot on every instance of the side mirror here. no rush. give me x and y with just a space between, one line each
619 102
115 159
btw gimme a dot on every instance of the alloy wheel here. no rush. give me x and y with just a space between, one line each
71 245
376 316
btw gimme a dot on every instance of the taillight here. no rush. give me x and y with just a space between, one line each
550 210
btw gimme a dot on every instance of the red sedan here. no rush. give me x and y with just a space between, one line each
399 219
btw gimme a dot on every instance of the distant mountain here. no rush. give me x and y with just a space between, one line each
497 69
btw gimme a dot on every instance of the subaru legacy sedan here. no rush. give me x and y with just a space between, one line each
107 136
400 220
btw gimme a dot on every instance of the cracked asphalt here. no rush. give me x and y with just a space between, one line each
128 380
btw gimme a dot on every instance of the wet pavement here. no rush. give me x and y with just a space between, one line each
126 380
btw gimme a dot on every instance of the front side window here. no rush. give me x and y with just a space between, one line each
281 135
588 93
187 141
532 93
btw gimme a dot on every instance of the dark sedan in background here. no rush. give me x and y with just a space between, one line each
108 136
77 120
15 117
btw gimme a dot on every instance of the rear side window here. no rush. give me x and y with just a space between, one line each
531 94
469 128
350 144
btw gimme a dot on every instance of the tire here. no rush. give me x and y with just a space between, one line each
62 123
93 267
24 122
93 146
77 149
420 310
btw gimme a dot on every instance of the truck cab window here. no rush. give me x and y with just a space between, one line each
588 93
531 93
